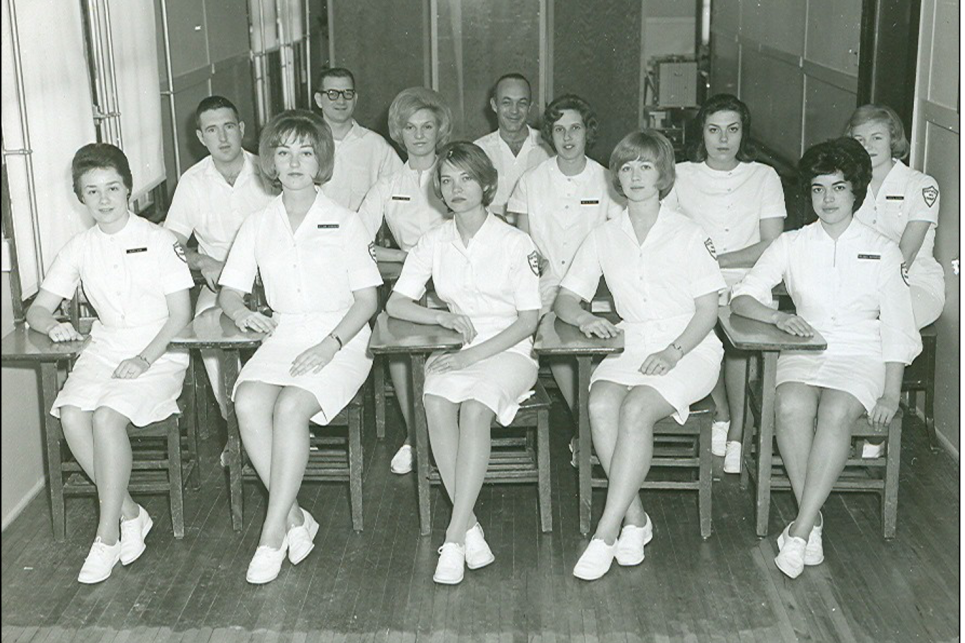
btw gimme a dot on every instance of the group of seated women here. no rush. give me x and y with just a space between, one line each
690 236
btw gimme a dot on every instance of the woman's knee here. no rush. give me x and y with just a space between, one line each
105 418
638 415
73 420
294 408
475 414
249 405
793 404
839 411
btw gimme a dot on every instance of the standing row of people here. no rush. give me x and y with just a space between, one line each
668 238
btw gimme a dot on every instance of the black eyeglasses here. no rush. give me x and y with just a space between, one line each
333 94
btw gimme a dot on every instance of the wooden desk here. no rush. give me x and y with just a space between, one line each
417 341
213 329
25 346
750 335
557 338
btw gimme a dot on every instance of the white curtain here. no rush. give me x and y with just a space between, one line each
138 88
57 110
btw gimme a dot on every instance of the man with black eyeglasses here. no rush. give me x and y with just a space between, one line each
361 155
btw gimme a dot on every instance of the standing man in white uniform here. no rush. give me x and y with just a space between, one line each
515 147
212 200
361 155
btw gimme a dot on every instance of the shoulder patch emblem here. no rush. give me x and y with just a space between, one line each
372 251
709 244
179 251
533 260
930 194
904 273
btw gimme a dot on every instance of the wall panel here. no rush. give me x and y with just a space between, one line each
189 43
233 80
596 54
227 20
775 23
776 113
945 65
724 64
833 35
827 109
384 44
478 42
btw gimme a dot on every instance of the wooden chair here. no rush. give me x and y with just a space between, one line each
920 377
157 468
685 448
520 454
335 454
877 475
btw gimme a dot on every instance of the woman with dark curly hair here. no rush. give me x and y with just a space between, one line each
849 284
560 200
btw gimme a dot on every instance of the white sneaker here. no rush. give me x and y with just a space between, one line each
718 437
100 562
790 559
631 542
265 565
814 552
402 460
596 560
451 566
133 533
732 457
301 538
478 553
870 450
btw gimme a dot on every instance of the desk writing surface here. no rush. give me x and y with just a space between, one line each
25 345
397 336
556 337
214 329
752 335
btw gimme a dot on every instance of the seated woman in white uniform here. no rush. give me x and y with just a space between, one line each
660 267
485 271
320 278
420 121
903 205
847 283
740 204
559 201
135 275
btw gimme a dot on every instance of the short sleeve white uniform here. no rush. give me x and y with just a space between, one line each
654 285
406 201
511 166
728 205
852 292
490 281
908 195
126 276
309 276
361 159
561 211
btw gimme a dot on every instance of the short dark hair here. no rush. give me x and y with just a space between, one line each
510 76
100 156
844 155
333 72
554 111
298 124
212 103
724 103
648 145
469 158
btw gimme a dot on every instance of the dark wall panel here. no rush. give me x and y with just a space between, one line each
234 82
227 22
596 54
773 90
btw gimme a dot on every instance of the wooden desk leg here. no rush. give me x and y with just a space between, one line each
53 432
765 441
583 364
418 363
230 365
378 379
747 429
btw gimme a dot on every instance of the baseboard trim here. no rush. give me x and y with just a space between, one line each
20 506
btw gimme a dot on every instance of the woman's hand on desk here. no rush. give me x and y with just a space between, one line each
884 410
253 320
63 332
459 323
595 326
660 363
315 358
794 325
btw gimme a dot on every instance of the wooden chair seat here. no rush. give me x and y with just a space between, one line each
682 459
875 475
335 454
157 468
520 453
